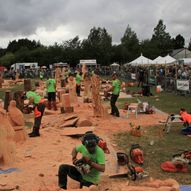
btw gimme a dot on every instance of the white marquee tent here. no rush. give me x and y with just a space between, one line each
164 60
141 60
114 64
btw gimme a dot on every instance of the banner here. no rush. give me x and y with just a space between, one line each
182 85
133 76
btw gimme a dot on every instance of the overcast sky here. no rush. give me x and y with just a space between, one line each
57 20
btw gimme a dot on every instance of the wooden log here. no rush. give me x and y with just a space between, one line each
76 131
8 98
27 85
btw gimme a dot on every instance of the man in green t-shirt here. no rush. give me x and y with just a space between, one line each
78 83
86 170
51 89
116 88
39 108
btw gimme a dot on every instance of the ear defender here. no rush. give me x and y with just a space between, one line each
90 139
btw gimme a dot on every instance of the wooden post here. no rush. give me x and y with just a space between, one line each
1 81
7 99
27 85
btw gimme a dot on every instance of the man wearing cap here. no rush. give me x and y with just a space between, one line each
116 88
39 108
86 170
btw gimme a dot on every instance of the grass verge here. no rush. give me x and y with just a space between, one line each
162 150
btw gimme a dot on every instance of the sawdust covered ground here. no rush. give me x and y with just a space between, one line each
39 158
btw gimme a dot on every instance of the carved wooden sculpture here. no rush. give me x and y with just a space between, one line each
98 107
7 144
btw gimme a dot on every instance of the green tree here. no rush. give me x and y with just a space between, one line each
16 45
98 45
7 59
178 42
162 39
72 51
149 49
130 45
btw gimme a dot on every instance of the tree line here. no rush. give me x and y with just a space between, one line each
98 45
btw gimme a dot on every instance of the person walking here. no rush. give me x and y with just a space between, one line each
51 89
78 83
116 87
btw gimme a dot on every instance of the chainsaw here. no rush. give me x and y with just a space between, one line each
134 173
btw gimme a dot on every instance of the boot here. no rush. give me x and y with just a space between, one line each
54 106
49 105
35 132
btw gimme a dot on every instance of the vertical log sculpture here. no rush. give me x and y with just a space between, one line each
98 108
84 70
87 88
72 90
1 80
58 74
7 99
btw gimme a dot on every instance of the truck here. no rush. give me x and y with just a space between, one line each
20 66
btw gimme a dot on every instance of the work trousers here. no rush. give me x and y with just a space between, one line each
114 109
37 120
69 170
78 88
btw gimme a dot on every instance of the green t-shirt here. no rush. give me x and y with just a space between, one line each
36 97
98 157
51 84
78 79
117 87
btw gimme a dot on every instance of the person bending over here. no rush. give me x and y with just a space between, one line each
186 118
39 108
87 169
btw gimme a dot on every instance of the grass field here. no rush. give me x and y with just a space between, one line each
161 151
164 147
167 102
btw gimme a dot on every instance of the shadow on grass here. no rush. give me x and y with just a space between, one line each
162 150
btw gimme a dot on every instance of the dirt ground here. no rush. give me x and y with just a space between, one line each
38 159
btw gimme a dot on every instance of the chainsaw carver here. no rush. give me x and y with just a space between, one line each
39 107
87 169
116 87
186 118
51 89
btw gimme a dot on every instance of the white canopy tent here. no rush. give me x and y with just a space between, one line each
169 59
141 60
159 60
114 64
164 60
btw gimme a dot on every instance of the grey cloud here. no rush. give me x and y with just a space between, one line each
24 17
